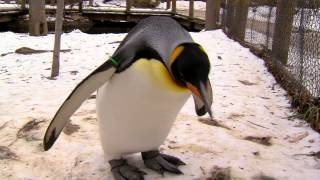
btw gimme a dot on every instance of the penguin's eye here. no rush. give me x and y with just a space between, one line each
182 77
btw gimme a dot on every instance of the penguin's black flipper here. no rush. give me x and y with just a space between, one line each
199 105
80 93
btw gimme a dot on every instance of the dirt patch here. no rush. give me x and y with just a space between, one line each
219 173
70 128
4 125
262 177
210 122
260 140
30 131
85 112
6 153
26 51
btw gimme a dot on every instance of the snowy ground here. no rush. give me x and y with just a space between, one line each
259 139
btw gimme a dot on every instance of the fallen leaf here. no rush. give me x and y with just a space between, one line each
260 140
247 83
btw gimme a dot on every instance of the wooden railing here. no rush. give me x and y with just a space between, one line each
210 18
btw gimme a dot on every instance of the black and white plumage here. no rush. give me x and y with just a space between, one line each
139 96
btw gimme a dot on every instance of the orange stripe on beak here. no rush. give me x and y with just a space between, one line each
193 89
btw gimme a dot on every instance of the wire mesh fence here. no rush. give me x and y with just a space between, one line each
287 35
304 51
301 58
260 25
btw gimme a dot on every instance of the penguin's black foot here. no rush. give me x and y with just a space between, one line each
161 162
121 170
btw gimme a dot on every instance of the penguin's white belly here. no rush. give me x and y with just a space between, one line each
137 107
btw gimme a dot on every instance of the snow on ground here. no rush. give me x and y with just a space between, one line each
260 138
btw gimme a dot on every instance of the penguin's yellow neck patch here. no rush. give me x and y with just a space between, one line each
159 74
176 52
202 49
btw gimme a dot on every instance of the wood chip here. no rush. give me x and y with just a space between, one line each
298 137
265 140
247 83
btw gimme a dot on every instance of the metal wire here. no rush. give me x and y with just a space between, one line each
304 52
260 24
304 49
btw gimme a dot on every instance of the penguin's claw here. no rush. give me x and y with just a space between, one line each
161 162
171 159
121 170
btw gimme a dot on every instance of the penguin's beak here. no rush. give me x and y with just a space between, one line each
202 98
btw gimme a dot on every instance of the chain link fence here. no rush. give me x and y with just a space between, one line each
287 35
303 55
304 51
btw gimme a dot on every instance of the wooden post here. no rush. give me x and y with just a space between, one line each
128 6
224 15
91 3
230 16
80 6
57 39
38 19
168 4
212 14
174 7
283 28
268 27
191 9
240 20
23 4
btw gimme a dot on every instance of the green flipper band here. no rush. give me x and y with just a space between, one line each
113 61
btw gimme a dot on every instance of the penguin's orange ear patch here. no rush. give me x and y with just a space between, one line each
176 52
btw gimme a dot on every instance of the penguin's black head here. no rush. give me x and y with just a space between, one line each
190 67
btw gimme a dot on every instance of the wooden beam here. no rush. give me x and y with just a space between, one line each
240 19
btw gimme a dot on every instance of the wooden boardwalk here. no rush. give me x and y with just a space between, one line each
9 14
197 22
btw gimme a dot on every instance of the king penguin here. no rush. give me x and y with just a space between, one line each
141 89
